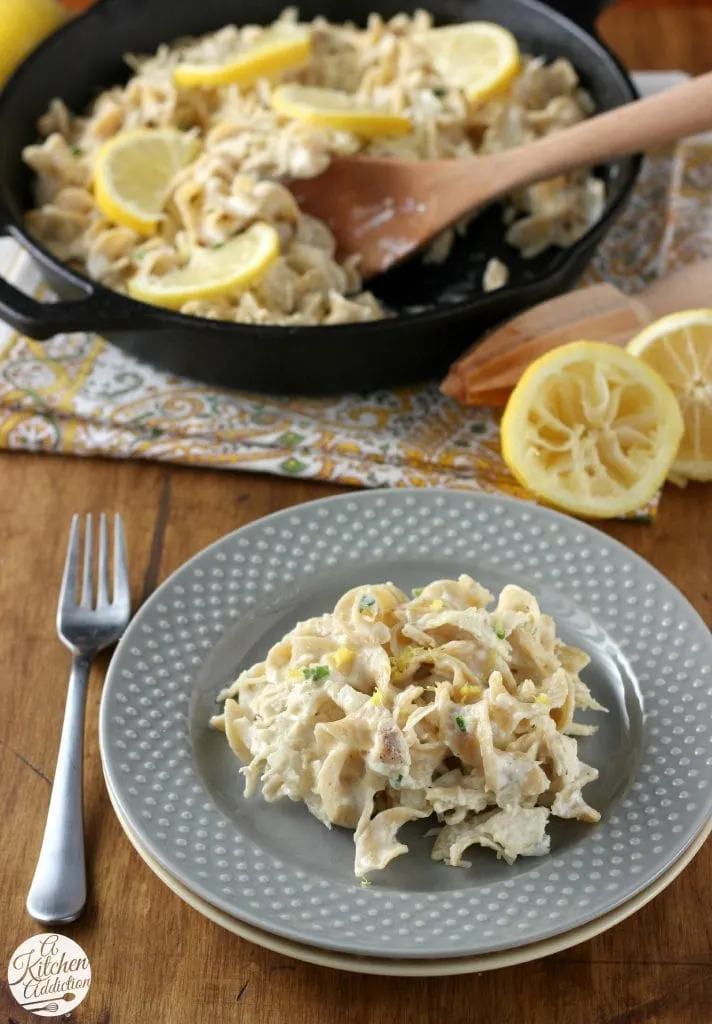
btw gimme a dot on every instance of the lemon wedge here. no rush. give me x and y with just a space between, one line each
276 50
333 109
478 57
679 347
133 173
591 429
212 272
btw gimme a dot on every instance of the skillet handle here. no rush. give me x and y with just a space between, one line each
97 313
582 12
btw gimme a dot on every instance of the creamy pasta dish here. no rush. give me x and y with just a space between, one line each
246 148
393 709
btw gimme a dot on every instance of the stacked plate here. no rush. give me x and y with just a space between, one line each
273 874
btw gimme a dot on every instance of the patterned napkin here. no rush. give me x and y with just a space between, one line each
78 395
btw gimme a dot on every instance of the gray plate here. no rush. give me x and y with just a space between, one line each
275 866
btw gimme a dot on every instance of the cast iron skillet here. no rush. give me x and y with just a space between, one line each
441 309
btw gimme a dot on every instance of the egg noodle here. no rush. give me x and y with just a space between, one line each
248 149
389 710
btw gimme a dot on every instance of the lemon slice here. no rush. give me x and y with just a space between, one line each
212 272
276 50
133 173
333 109
478 57
679 347
591 429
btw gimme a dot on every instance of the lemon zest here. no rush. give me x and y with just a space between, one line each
400 663
467 692
342 656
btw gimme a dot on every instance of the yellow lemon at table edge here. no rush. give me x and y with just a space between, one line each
24 26
591 430
133 172
479 57
679 348
274 52
331 108
212 273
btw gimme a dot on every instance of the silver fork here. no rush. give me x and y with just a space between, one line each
58 891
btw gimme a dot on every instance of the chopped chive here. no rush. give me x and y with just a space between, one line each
417 591
77 151
367 603
439 91
501 633
315 673
364 882
460 723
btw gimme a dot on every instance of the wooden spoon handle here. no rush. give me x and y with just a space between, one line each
638 126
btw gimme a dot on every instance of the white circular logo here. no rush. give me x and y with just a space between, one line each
49 974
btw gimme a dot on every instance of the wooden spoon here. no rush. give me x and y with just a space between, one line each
384 209
487 373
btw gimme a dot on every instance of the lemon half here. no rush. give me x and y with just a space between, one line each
478 57
133 173
591 430
679 347
276 50
333 109
212 272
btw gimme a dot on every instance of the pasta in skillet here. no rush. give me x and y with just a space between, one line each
389 710
247 151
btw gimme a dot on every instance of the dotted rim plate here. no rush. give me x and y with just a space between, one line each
418 968
148 724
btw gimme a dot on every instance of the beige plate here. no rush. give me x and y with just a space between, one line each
410 968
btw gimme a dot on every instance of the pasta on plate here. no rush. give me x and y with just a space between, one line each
248 151
393 709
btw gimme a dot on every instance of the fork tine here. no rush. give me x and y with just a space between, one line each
102 598
87 568
122 593
68 590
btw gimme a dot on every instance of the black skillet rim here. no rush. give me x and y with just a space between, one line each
97 298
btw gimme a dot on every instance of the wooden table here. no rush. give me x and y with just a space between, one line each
156 961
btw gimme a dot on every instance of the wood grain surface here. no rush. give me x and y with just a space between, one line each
155 960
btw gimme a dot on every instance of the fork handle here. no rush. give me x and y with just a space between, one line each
59 889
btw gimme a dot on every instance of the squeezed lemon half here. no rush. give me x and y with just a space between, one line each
592 430
679 347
